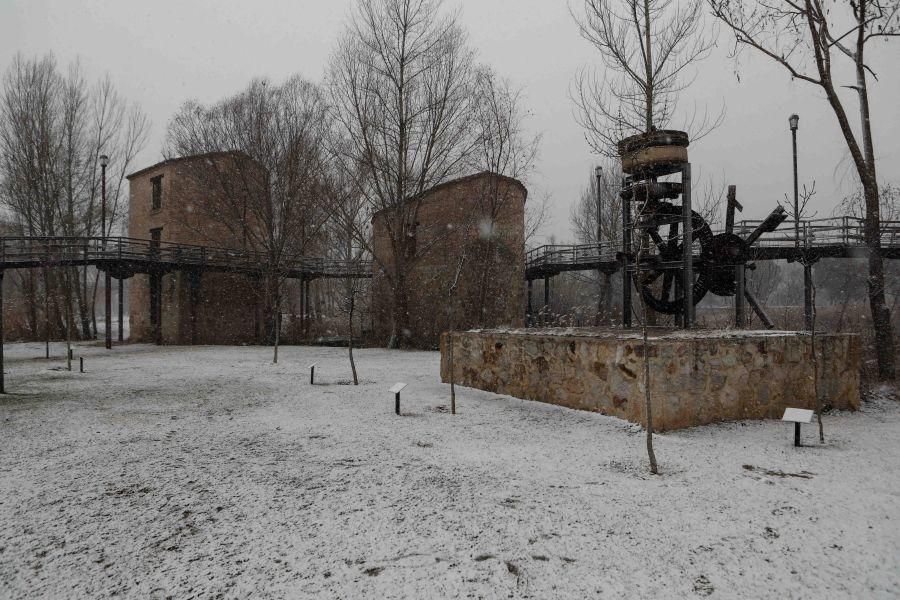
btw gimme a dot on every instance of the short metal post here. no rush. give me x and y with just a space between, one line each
312 375
397 403
796 434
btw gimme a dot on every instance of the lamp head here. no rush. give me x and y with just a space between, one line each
793 120
104 160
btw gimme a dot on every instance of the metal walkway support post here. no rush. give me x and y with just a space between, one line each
688 241
157 334
306 312
529 314
107 294
121 309
807 294
2 373
626 252
193 299
546 309
739 310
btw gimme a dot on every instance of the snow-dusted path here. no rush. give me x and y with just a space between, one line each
208 472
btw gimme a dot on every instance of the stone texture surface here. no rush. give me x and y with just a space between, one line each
695 377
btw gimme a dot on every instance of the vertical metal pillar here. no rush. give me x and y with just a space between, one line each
529 314
158 308
688 241
739 311
546 310
302 304
626 259
108 297
306 312
194 299
602 309
121 308
2 374
598 171
807 294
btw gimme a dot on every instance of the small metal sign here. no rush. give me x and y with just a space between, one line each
797 416
395 390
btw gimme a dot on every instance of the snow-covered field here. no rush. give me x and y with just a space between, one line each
210 472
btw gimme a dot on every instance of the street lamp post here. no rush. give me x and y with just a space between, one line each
601 301
104 160
793 120
598 173
107 294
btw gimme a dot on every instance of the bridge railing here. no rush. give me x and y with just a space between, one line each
844 231
559 254
93 250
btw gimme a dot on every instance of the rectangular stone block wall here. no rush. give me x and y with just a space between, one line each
695 379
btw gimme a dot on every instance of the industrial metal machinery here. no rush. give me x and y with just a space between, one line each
669 250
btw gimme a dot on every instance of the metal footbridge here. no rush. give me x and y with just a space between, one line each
840 237
123 257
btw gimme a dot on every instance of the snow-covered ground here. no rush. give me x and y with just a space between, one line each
207 472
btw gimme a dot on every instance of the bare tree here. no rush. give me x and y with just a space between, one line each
642 251
349 240
501 146
272 198
400 81
793 33
53 129
648 48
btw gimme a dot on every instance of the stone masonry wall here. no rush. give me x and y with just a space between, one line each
695 379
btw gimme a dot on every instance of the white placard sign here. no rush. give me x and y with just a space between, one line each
397 387
798 415
311 365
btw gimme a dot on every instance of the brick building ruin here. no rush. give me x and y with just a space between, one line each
474 225
171 202
479 220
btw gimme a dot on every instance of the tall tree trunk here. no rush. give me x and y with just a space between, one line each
881 316
350 339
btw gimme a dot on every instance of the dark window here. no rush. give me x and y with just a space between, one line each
156 201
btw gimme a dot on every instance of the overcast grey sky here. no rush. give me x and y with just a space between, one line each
162 52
